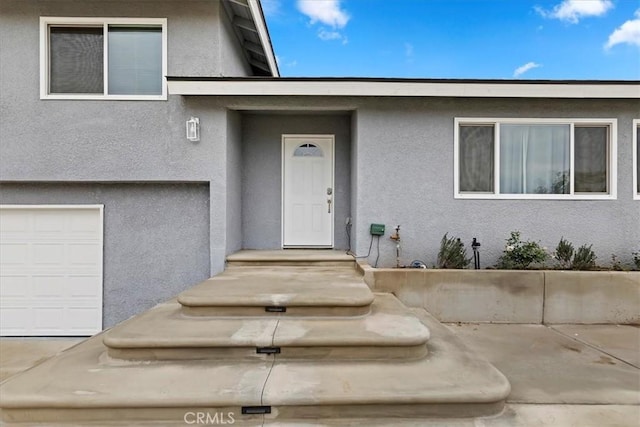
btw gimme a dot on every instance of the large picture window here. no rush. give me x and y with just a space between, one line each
95 58
535 158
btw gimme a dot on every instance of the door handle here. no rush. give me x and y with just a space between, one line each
328 204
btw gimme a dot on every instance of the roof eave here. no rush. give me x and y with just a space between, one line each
263 32
404 88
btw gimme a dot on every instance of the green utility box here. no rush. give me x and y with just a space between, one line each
377 229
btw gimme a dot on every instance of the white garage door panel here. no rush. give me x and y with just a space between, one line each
50 270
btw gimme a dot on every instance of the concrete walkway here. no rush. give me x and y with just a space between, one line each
19 354
562 375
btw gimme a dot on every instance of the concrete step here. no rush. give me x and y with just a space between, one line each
83 386
280 291
291 258
389 331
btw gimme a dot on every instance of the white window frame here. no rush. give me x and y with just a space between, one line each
571 122
636 157
46 21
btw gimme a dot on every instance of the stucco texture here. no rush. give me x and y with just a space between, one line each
262 173
156 237
405 176
83 140
401 172
394 156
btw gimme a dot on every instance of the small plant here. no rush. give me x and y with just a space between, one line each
564 252
616 265
636 259
452 253
520 255
584 258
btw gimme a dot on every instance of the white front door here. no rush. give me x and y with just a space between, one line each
307 190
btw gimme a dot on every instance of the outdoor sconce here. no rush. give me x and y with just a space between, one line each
193 129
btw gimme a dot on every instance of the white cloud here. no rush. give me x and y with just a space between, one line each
270 7
329 35
282 63
326 35
526 67
573 10
327 12
629 32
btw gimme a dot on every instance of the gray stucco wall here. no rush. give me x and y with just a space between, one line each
234 182
232 60
352 244
262 171
68 140
156 240
405 176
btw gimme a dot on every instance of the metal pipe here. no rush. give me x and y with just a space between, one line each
396 236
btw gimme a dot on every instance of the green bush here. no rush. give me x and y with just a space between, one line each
584 259
520 255
452 253
564 252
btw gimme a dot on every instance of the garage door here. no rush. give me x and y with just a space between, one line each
50 270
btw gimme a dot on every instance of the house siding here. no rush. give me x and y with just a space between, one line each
262 173
405 176
156 240
80 140
165 198
234 182
232 59
174 209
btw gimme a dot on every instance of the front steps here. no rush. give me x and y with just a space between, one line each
164 332
290 258
277 291
384 361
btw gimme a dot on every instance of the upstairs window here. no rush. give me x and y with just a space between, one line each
90 58
535 158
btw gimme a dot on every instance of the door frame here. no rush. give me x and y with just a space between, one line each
332 141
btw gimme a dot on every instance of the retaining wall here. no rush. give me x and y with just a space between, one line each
513 296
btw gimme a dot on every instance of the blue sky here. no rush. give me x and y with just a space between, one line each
487 39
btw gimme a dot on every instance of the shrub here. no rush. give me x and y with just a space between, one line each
452 253
564 252
520 255
584 259
636 259
616 265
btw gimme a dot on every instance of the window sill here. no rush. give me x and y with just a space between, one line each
536 196
78 97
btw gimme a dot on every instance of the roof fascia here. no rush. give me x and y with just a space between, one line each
263 33
404 88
